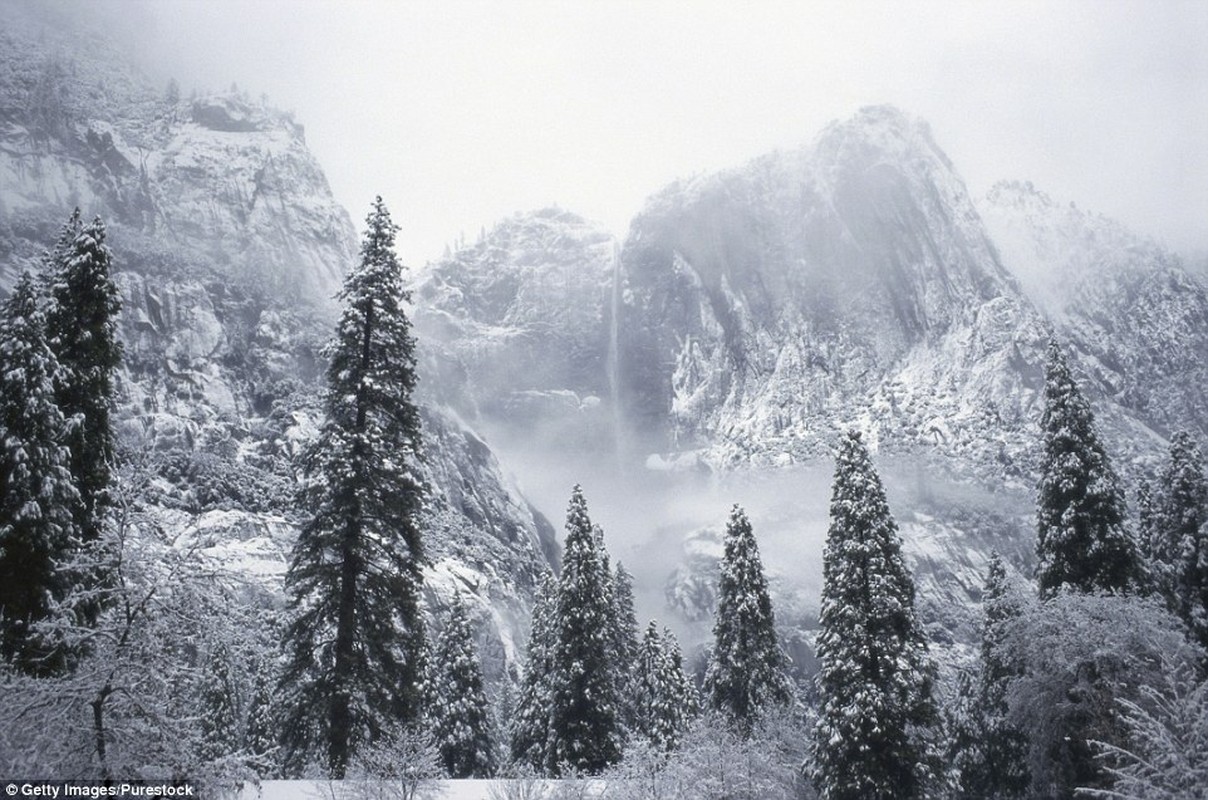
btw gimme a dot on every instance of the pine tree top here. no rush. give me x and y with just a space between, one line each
863 533
87 301
741 561
372 357
23 325
578 522
1002 601
652 631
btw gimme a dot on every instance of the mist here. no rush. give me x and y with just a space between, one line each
462 113
658 521
653 518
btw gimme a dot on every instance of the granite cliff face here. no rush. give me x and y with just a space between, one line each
228 249
850 283
856 284
220 180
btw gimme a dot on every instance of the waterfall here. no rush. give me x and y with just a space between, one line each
614 356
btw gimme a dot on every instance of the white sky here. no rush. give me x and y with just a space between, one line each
461 113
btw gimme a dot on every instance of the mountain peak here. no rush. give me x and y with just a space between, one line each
876 134
884 117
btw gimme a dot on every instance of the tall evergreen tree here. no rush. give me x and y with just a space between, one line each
1175 534
260 724
877 712
747 670
992 761
460 716
219 711
662 707
82 328
584 727
1082 542
686 695
356 642
530 724
37 494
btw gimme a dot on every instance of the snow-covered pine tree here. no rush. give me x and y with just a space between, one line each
356 641
747 670
37 494
687 698
992 762
875 682
1176 534
625 646
530 723
1082 542
650 693
460 716
585 732
82 330
963 734
219 705
662 707
260 722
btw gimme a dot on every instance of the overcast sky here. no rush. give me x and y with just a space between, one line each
460 114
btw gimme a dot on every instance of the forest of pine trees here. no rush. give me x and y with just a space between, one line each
1088 679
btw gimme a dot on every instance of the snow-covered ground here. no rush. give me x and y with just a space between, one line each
437 790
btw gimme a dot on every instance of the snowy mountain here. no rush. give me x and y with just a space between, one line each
1134 312
849 283
757 312
854 283
514 328
229 249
